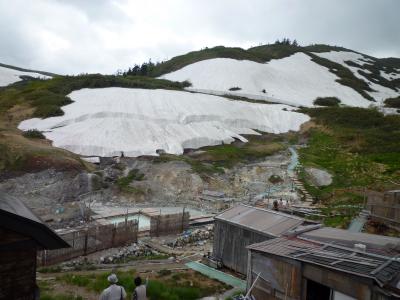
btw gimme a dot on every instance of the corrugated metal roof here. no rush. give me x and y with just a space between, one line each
382 269
284 246
261 220
377 244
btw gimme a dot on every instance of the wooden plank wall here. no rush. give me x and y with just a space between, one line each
279 278
384 207
91 239
230 244
169 224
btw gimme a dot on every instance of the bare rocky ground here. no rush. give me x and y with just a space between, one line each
56 196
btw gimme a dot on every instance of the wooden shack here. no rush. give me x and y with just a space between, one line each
299 268
21 235
242 225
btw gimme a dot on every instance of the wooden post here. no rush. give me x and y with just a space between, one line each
86 242
183 218
113 236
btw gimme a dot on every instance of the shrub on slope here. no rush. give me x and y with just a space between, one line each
392 102
327 101
33 134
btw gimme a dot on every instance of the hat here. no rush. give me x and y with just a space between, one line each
112 278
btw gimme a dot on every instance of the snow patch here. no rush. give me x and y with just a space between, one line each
381 93
293 80
390 76
108 121
9 76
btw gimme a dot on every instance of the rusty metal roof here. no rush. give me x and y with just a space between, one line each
383 269
260 220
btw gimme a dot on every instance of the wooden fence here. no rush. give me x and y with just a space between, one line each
169 224
384 207
91 239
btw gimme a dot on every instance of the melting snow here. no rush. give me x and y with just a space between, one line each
294 80
104 122
8 76
390 76
381 93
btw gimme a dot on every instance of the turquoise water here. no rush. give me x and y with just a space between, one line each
144 221
294 160
218 275
357 224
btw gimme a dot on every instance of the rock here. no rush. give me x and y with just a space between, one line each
197 236
319 177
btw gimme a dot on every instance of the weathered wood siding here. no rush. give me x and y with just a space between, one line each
384 207
91 239
354 286
279 278
230 244
169 224
17 266
284 278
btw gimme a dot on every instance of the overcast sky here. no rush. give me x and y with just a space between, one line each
76 36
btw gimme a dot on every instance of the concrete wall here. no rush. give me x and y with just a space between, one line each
230 242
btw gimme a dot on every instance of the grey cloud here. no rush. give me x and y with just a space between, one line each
74 36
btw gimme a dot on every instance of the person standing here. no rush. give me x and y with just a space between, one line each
140 291
114 291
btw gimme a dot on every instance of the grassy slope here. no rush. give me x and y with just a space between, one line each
44 98
359 147
164 285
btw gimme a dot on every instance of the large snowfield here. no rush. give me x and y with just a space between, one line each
294 80
108 121
9 76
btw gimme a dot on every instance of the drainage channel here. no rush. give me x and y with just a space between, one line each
216 274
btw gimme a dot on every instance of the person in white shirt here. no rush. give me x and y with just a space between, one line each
114 291
140 290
